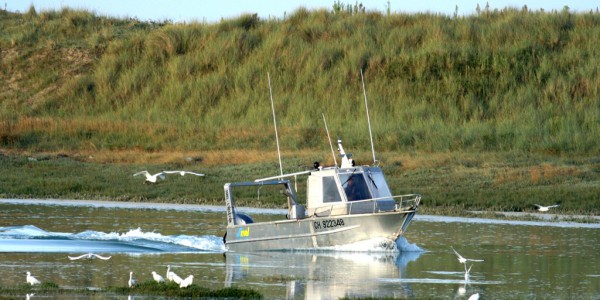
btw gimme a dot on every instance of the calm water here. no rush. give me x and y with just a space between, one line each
522 260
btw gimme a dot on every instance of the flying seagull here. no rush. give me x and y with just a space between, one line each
32 280
545 208
463 260
89 256
183 173
153 178
150 178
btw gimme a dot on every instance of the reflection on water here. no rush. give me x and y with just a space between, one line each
522 260
322 275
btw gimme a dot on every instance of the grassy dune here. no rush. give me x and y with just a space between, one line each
496 110
509 80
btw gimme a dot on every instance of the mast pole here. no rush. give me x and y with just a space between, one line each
368 118
275 123
329 138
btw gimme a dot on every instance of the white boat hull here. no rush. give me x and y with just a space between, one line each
317 232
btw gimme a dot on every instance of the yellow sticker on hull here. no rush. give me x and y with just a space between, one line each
243 232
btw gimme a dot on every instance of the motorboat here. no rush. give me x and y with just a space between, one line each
344 204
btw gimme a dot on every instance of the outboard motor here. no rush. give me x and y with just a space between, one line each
241 219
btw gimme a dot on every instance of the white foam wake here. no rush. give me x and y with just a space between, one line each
403 245
203 242
27 231
378 245
133 236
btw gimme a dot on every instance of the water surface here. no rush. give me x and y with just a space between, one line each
522 260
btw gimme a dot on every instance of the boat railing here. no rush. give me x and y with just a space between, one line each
373 205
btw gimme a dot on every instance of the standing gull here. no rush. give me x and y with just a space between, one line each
157 277
176 278
131 282
171 276
187 281
544 208
32 280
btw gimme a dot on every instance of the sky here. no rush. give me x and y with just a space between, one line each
214 11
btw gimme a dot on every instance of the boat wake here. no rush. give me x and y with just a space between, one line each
379 245
30 238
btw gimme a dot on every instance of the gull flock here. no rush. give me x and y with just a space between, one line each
132 282
171 277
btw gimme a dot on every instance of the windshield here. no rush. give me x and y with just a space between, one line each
355 186
381 188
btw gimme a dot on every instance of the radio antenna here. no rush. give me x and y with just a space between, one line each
368 118
275 123
329 138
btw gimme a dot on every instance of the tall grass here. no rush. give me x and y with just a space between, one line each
503 80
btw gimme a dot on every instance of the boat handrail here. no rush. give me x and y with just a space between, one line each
284 176
403 203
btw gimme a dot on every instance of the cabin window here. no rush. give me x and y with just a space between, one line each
355 186
330 191
381 188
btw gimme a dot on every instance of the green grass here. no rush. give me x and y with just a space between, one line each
172 289
450 183
148 288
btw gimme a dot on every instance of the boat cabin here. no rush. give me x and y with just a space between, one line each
349 189
354 190
331 191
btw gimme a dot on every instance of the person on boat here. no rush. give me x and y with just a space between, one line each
356 188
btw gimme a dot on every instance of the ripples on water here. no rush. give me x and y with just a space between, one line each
523 260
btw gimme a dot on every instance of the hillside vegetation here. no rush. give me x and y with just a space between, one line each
508 80
497 111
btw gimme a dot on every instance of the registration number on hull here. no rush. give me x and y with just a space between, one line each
329 223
